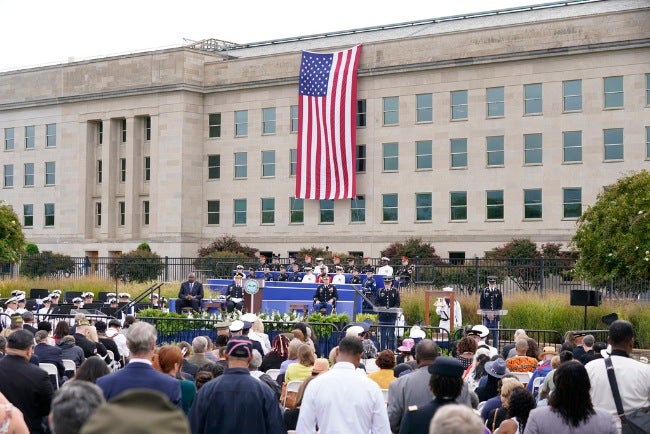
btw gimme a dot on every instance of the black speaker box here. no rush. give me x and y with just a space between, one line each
581 297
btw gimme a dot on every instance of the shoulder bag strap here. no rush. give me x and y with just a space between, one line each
614 385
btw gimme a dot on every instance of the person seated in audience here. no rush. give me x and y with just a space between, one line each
495 409
291 414
309 276
108 342
302 369
90 370
168 360
71 351
495 370
62 329
199 347
254 366
113 332
303 332
278 354
509 350
476 371
544 367
521 362
585 348
47 353
520 403
73 405
465 349
385 375
597 354
548 385
339 277
292 355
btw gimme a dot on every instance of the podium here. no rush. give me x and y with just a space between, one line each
498 312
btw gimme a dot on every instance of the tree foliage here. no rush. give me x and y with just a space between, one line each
46 264
227 243
613 235
138 265
216 259
12 239
412 248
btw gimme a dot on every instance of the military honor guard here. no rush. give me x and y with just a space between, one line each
387 297
405 272
325 297
492 299
283 276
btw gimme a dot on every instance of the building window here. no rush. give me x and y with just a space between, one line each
28 180
214 125
613 88
122 169
214 166
361 158
423 155
28 215
147 128
30 137
613 140
494 204
293 161
389 207
8 175
9 139
424 110
122 213
50 135
100 132
326 211
214 212
533 148
647 89
268 120
572 146
458 153
495 102
361 113
495 151
268 164
98 214
268 210
533 99
145 212
391 157
391 110
358 209
647 143
458 205
423 207
99 171
49 214
572 202
572 95
123 123
50 173
241 123
293 116
241 165
147 168
457 258
533 203
296 210
239 205
459 107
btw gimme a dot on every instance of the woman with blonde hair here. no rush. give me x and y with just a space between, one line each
498 415
294 344
302 369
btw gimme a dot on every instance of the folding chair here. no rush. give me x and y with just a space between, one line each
273 373
51 370
292 386
69 366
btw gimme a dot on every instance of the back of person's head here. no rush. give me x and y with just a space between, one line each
201 378
256 361
401 369
128 321
199 345
72 405
62 329
216 369
588 340
91 369
280 345
306 356
519 333
293 348
209 343
555 362
571 398
28 317
456 419
509 385
141 338
20 340
258 326
168 356
520 404
521 345
186 348
565 356
427 350
466 345
41 336
533 348
386 360
350 345
302 327
620 332
221 341
44 325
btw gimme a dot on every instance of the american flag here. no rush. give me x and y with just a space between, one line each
327 125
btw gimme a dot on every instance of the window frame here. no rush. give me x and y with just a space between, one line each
123 129
240 167
567 138
454 154
390 208
146 173
121 213
566 202
240 210
296 210
361 161
28 216
423 108
390 160
50 136
647 143
459 105
495 101
293 162
8 176
615 94
241 123
49 215
293 119
267 211
214 167
531 204
213 213
30 136
10 139
571 98
390 113
533 146
122 170
146 210
362 113
358 209
269 121
609 146
460 207
424 157
147 128
326 211
214 125
531 100
98 214
50 173
495 148
494 203
99 167
29 177
268 167
424 207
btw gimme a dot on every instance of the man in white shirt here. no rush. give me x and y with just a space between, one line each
309 276
343 399
339 277
632 377
385 269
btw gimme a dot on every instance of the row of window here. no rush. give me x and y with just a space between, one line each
28 215
146 172
121 213
572 101
99 126
8 174
613 150
458 205
29 137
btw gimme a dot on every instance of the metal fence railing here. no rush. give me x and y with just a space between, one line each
465 275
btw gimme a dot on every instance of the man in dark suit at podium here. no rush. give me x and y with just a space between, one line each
492 299
190 294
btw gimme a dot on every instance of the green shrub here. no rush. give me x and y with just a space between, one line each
137 266
45 264
31 249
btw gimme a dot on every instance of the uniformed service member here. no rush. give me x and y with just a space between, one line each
325 296
405 271
387 297
235 294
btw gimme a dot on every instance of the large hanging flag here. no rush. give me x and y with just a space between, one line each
327 109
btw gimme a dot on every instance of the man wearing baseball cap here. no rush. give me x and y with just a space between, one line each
255 409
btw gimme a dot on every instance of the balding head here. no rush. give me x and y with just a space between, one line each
426 352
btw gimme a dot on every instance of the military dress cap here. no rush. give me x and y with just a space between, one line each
240 267
388 279
154 295
307 268
350 259
112 300
236 326
339 268
492 278
447 367
55 295
250 317
354 330
124 295
77 300
56 291
46 299
319 259
282 267
11 300
88 295
20 298
385 259
479 330
239 275
17 292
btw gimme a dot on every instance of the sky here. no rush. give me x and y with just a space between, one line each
43 32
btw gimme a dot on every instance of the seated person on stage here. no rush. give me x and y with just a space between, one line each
235 294
309 276
190 294
325 296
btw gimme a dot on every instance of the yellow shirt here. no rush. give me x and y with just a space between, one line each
296 371
383 377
